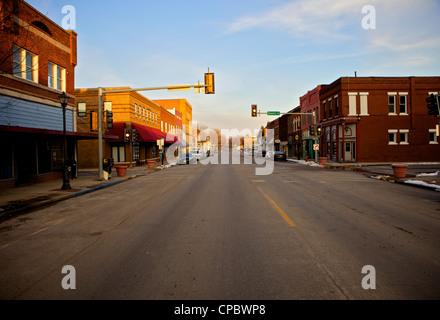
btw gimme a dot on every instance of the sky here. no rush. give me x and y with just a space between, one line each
263 52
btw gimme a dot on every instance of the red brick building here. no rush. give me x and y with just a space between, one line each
379 119
37 63
309 103
294 147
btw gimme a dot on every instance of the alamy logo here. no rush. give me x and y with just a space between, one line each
261 142
69 280
69 20
369 281
369 20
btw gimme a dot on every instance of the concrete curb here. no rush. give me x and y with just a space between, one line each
10 213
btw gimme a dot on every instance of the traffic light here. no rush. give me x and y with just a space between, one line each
432 105
312 130
126 135
254 110
109 119
319 130
209 82
134 135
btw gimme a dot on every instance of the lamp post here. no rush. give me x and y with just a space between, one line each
66 183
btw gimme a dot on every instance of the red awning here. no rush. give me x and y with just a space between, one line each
171 139
145 134
117 131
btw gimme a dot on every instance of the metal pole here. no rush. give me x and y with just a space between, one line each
66 182
315 138
100 156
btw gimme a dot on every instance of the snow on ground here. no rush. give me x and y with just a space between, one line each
307 163
429 174
423 184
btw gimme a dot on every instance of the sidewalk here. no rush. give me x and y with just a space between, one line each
425 175
32 196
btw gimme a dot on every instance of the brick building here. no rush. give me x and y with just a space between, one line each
309 103
37 63
275 126
294 146
130 111
379 119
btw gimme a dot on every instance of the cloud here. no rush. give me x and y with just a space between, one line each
305 18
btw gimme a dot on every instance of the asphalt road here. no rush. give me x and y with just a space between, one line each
222 232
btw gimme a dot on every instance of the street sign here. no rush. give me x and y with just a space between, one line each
273 113
316 146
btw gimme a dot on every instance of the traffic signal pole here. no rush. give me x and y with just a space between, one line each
209 87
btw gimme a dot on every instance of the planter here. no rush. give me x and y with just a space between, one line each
121 170
150 164
322 160
399 170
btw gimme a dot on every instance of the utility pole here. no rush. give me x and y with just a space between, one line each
208 86
100 157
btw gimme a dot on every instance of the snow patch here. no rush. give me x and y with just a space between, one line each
307 163
437 173
423 184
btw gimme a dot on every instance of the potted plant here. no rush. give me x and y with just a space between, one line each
121 170
399 170
150 163
322 160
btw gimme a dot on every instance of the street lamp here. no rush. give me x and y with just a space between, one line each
66 183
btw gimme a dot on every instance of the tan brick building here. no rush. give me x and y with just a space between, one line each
183 109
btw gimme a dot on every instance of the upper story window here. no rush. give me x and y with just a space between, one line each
352 106
403 103
40 25
82 109
330 108
25 64
363 97
56 77
392 103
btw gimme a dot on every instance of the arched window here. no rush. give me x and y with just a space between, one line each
40 25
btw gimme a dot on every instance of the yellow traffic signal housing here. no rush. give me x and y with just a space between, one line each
209 83
254 110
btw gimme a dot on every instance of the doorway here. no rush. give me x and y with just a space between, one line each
350 151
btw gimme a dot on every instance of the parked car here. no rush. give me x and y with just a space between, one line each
276 155
187 158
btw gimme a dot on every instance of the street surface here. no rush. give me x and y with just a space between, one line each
222 232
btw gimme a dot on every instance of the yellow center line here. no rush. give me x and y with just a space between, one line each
283 214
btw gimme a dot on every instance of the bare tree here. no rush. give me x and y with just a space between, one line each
13 36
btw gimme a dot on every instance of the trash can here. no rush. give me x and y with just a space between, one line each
107 168
71 168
